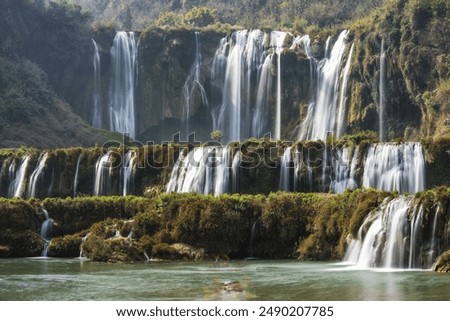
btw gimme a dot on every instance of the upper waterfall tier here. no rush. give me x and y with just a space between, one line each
250 83
121 111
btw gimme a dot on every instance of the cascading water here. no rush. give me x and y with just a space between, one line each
252 238
75 179
387 166
322 117
193 84
97 116
222 177
46 231
235 172
17 185
123 83
395 167
129 170
434 240
277 41
382 90
392 236
285 170
102 181
205 170
415 244
261 114
242 61
83 240
36 176
342 110
344 166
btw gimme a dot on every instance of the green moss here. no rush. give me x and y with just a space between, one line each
67 246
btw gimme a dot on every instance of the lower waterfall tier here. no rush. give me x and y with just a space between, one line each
393 231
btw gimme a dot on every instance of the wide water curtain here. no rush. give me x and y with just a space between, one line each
123 84
323 116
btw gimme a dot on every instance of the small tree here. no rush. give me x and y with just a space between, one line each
169 19
216 135
200 16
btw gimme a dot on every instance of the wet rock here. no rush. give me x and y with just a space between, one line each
442 264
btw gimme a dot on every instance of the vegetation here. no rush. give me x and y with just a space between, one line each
248 13
188 226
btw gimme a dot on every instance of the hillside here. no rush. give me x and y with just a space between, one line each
275 14
39 60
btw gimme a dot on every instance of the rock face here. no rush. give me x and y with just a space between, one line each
53 54
442 264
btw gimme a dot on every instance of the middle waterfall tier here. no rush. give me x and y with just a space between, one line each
252 167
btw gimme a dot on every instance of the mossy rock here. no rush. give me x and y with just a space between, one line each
442 264
177 251
20 244
114 250
67 246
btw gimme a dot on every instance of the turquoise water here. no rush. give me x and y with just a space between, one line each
74 279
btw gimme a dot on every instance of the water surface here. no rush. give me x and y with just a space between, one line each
74 279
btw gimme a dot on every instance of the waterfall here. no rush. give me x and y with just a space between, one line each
322 117
252 238
2 170
174 180
97 96
83 240
277 40
205 170
218 81
102 180
387 166
129 170
384 244
261 113
395 167
236 68
192 84
392 236
222 177
17 182
230 112
36 175
415 244
185 177
342 114
75 179
46 231
285 170
123 83
382 89
344 166
235 172
434 241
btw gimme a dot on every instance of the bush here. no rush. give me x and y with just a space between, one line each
201 16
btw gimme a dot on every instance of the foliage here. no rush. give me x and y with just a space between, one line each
169 19
216 135
200 16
